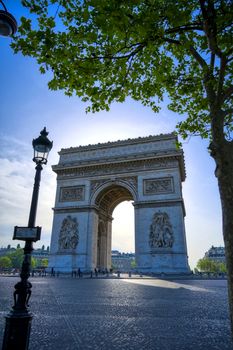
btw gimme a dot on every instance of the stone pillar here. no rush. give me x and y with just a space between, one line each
142 254
92 237
160 238
109 244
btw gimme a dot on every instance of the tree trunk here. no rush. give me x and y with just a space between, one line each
223 156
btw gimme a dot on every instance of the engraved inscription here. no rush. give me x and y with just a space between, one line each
70 194
157 186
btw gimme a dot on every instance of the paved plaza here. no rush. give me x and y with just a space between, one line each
137 314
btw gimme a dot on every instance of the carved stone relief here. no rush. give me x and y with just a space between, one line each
161 232
116 168
130 180
68 237
158 186
71 194
96 184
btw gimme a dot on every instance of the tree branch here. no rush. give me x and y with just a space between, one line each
227 94
198 58
228 54
226 112
210 26
212 61
139 47
221 78
171 41
185 28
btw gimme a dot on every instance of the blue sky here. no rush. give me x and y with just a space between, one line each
26 106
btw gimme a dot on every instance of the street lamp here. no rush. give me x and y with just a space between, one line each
8 24
18 321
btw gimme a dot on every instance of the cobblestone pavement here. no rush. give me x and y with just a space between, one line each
137 314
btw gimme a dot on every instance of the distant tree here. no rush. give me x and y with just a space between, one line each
47 248
16 258
18 246
222 267
44 262
43 247
5 262
209 265
9 246
33 262
205 265
133 264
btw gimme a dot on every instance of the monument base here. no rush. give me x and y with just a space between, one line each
162 261
65 263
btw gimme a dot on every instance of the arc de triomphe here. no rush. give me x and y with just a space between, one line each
92 180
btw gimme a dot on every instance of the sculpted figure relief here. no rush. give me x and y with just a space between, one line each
113 168
68 237
72 193
161 233
97 183
155 186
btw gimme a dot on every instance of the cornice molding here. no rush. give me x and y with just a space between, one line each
138 140
108 159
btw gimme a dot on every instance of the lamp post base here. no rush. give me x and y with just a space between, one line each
17 331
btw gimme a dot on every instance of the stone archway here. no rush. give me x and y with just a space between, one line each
92 180
106 198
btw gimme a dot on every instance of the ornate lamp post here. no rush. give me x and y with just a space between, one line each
18 321
8 24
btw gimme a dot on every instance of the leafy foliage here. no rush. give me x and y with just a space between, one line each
33 262
133 264
44 262
208 265
5 262
16 258
104 51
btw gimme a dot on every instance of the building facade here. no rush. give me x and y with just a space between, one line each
216 253
92 180
123 262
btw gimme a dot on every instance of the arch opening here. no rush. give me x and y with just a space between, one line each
123 235
111 196
107 201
